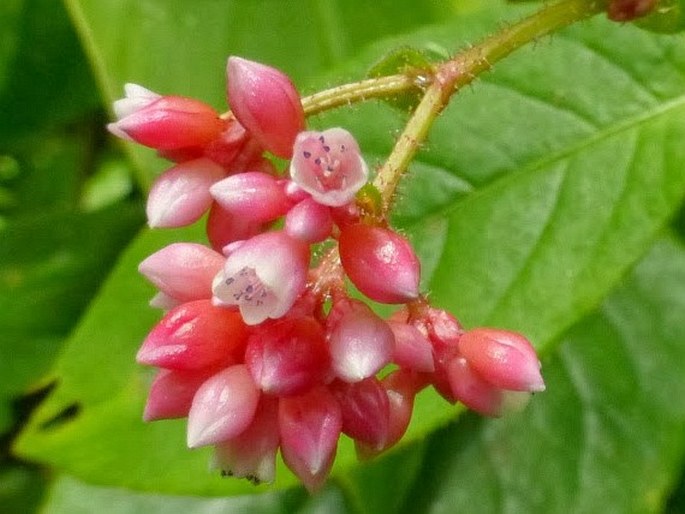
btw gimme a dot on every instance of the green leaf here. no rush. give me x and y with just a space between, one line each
608 434
21 489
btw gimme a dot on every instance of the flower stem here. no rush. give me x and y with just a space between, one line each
452 75
346 94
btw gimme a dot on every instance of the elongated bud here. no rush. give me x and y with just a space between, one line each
412 349
266 103
309 221
504 359
365 411
400 387
195 335
264 276
252 195
224 227
381 263
469 388
180 196
310 426
252 453
329 166
164 122
288 357
172 392
223 407
183 271
361 343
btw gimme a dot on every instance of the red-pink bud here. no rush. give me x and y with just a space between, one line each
252 195
183 271
361 343
266 102
381 263
469 388
309 221
365 411
263 276
224 227
412 349
329 166
504 359
171 393
252 453
180 196
401 387
223 407
195 335
167 122
310 426
288 356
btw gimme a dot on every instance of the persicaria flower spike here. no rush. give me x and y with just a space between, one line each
259 351
329 166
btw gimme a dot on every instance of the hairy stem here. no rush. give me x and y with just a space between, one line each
452 75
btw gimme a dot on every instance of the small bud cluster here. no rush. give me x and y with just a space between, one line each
259 348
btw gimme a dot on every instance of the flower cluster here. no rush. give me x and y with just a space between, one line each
261 345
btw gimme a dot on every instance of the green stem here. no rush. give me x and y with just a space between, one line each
381 87
452 75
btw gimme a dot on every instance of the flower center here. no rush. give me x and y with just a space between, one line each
245 288
327 164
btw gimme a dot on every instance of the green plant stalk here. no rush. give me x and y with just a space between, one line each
452 75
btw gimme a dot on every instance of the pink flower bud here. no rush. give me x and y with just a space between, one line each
252 195
223 407
310 426
164 122
469 388
361 343
264 276
183 271
224 227
309 221
252 453
180 196
172 392
401 387
195 335
288 357
380 262
266 102
137 98
329 166
365 411
504 359
412 349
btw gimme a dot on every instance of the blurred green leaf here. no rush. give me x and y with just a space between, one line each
21 489
44 78
67 497
51 264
